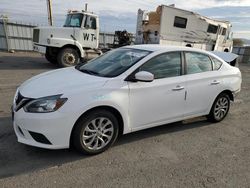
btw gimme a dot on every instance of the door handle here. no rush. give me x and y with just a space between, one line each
215 82
178 88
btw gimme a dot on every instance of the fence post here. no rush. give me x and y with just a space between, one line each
104 40
5 25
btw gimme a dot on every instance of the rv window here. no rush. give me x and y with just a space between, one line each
224 30
212 28
180 22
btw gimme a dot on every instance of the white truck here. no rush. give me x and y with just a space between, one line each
78 39
169 25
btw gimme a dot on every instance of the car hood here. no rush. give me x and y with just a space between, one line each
60 81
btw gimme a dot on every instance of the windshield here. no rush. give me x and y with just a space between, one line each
114 62
73 20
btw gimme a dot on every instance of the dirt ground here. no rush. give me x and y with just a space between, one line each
194 153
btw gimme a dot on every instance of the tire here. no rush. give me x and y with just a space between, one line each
68 57
88 134
220 108
50 58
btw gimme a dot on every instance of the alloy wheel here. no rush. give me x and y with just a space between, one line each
98 133
221 108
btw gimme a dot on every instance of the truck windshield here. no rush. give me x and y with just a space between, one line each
113 63
73 20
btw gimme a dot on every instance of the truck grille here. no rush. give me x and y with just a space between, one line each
36 35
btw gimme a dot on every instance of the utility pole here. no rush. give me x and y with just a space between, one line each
49 8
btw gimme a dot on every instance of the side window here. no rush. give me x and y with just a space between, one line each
217 63
224 31
164 65
90 22
180 22
212 29
197 63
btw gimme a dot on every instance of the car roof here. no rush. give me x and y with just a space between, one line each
165 48
158 47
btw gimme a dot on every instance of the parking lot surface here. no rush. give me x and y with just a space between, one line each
194 153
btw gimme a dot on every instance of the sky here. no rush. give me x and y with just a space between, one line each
122 14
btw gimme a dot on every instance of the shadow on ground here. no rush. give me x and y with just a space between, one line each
16 158
24 63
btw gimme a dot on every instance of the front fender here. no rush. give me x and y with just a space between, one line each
61 42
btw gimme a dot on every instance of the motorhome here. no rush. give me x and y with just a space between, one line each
169 25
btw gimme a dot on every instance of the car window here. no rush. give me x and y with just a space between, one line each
197 63
164 65
217 63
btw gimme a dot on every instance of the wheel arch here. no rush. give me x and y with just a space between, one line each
104 107
210 115
74 47
230 94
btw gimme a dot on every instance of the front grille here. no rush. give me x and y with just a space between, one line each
36 35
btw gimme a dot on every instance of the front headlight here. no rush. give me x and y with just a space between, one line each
45 104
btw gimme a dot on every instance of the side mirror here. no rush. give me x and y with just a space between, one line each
144 76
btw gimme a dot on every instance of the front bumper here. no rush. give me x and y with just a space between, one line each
236 93
44 130
38 48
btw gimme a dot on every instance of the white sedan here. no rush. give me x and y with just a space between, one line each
125 90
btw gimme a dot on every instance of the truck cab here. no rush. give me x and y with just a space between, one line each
77 39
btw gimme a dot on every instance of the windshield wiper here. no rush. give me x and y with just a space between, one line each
89 71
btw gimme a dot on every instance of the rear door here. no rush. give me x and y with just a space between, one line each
202 83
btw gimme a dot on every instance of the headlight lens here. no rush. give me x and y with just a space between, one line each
45 104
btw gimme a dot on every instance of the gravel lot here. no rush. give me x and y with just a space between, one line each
193 153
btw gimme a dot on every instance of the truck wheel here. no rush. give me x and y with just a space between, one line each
51 59
68 57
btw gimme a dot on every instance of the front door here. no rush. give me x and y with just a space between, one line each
88 35
159 101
